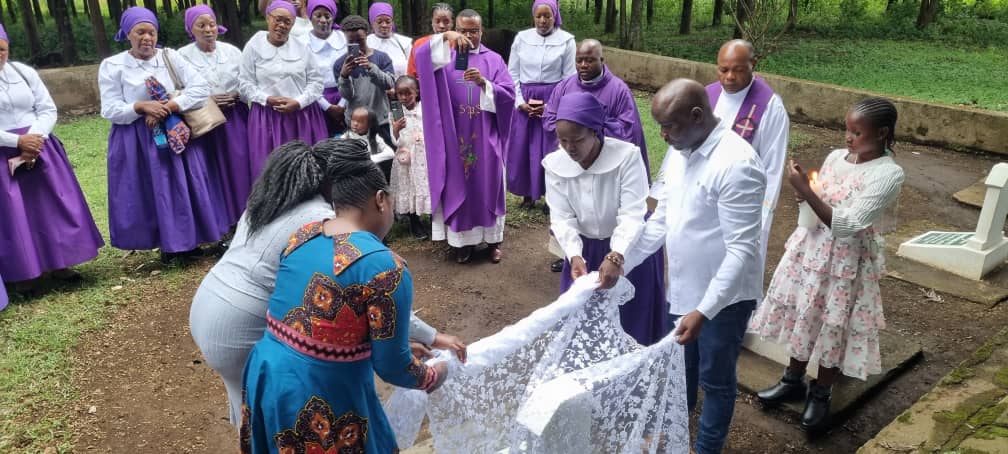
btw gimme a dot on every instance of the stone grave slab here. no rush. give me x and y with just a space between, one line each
972 195
756 372
989 291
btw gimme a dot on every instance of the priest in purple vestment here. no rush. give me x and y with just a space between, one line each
593 76
466 114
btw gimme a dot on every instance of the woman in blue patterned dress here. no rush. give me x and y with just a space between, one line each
339 313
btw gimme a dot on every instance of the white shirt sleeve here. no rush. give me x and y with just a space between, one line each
248 85
773 146
514 68
563 220
385 152
113 104
570 59
652 237
313 86
45 108
880 191
196 90
739 212
632 204
420 331
440 51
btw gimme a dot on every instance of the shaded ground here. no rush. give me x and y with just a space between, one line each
149 388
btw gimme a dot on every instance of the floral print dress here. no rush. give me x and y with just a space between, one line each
824 298
410 187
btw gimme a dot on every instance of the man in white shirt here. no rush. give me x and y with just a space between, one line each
710 197
749 106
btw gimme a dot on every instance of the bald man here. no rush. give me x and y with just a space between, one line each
757 114
710 196
622 120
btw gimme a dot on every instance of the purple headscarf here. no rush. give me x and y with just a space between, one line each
381 9
3 34
584 109
133 16
281 4
193 13
327 4
557 22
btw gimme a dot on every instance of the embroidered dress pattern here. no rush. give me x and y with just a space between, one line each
318 431
305 233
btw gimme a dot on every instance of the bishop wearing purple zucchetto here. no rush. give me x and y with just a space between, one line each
466 117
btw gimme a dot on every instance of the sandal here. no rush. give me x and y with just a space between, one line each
495 254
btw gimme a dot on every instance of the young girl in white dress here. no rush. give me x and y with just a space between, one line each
824 298
410 187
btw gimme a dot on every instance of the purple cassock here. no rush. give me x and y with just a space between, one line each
622 117
47 224
227 154
464 144
3 294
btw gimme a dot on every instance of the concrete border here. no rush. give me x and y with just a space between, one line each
825 105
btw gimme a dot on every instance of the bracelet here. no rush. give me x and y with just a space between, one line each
615 258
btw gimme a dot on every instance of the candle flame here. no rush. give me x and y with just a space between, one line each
813 176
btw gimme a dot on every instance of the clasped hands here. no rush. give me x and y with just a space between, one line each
532 111
30 146
155 112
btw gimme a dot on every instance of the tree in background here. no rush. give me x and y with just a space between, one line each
61 15
686 19
756 21
98 26
928 12
31 29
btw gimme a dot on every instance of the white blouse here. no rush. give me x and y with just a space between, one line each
326 52
24 101
301 30
541 59
606 200
264 65
122 82
219 68
398 48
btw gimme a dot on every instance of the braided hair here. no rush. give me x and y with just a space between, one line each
292 174
880 113
442 7
351 175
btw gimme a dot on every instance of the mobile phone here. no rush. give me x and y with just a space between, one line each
462 60
353 50
535 103
397 111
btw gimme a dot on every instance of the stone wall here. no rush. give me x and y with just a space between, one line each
826 105
76 92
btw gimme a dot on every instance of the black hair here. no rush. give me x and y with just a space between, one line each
351 175
471 13
880 113
408 78
373 128
354 22
442 7
292 174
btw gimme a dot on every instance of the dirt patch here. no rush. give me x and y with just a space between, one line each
150 388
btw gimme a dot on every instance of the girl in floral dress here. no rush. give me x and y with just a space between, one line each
824 298
409 170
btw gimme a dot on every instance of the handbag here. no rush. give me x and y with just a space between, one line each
201 120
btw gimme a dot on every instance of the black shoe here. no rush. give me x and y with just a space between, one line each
417 228
816 414
557 266
463 254
791 387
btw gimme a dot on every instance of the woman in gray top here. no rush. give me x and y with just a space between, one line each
228 313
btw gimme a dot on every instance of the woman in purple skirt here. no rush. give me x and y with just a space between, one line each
327 46
541 57
163 197
279 77
226 147
46 223
596 188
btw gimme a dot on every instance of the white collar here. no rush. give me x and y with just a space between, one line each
614 152
710 143
532 36
739 95
594 81
336 41
288 51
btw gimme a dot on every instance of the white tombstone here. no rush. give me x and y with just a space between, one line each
969 254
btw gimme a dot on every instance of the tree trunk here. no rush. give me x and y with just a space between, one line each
889 4
150 4
490 10
72 4
361 8
229 12
636 32
742 8
98 25
622 23
12 12
686 19
928 12
610 17
650 11
598 11
718 13
31 29
61 16
115 10
246 11
792 15
37 9
168 8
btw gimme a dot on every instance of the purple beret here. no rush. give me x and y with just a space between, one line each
193 13
133 16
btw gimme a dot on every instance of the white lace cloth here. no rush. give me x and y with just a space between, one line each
565 379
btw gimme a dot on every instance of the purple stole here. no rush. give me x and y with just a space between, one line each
752 109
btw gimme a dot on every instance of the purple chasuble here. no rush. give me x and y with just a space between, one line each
465 153
752 109
622 117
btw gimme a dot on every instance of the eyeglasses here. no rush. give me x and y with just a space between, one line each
469 31
281 20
